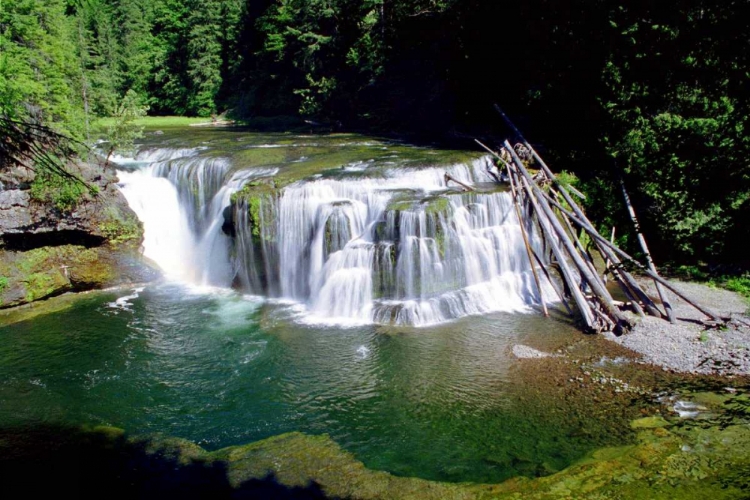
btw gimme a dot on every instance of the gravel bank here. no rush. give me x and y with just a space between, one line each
688 346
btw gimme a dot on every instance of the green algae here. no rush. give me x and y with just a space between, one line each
406 200
686 462
303 156
260 198
32 310
46 271
649 423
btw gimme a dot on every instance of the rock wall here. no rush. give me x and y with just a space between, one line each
47 250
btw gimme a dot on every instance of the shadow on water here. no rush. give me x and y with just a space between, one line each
58 461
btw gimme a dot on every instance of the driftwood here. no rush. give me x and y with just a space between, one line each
621 322
567 274
526 243
628 282
448 178
593 233
549 206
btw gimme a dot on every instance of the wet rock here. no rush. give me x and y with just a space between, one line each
525 352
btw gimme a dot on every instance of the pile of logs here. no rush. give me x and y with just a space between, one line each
551 207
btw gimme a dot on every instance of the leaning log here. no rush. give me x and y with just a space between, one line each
621 322
594 234
644 247
552 283
628 281
526 242
567 274
648 303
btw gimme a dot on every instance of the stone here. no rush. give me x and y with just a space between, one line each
46 251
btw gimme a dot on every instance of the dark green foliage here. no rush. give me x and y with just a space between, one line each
37 63
654 92
678 119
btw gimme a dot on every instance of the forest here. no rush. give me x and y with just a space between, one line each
651 93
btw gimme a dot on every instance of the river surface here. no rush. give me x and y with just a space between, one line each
415 376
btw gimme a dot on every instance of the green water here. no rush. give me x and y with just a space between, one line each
221 369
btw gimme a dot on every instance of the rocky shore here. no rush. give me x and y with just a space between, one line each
689 346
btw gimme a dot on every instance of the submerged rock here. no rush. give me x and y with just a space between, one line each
683 462
525 352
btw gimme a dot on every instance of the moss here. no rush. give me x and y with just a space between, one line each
47 271
649 423
435 205
259 157
403 200
62 192
400 205
691 462
440 240
255 189
41 285
39 308
121 229
260 198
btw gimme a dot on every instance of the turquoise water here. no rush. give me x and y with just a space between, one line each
221 369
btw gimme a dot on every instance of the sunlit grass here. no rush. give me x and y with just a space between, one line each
152 122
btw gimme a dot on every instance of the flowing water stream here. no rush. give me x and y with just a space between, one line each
323 284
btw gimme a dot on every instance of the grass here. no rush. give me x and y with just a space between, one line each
153 122
737 283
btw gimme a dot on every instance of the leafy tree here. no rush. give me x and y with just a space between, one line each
134 19
169 90
204 52
123 131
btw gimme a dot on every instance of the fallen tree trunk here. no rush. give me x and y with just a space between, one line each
545 208
526 243
593 233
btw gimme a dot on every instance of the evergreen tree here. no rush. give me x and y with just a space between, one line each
204 52
38 64
134 19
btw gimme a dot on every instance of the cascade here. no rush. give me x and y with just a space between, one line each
181 199
397 248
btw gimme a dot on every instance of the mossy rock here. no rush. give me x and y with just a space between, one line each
120 228
48 271
692 462
649 423
260 199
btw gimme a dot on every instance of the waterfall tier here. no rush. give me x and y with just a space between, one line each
394 247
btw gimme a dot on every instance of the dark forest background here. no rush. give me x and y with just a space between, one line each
655 93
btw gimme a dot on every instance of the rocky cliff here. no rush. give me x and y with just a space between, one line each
50 245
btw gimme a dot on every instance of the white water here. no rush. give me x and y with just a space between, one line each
385 250
181 199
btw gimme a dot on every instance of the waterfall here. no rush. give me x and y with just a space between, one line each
397 248
181 199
